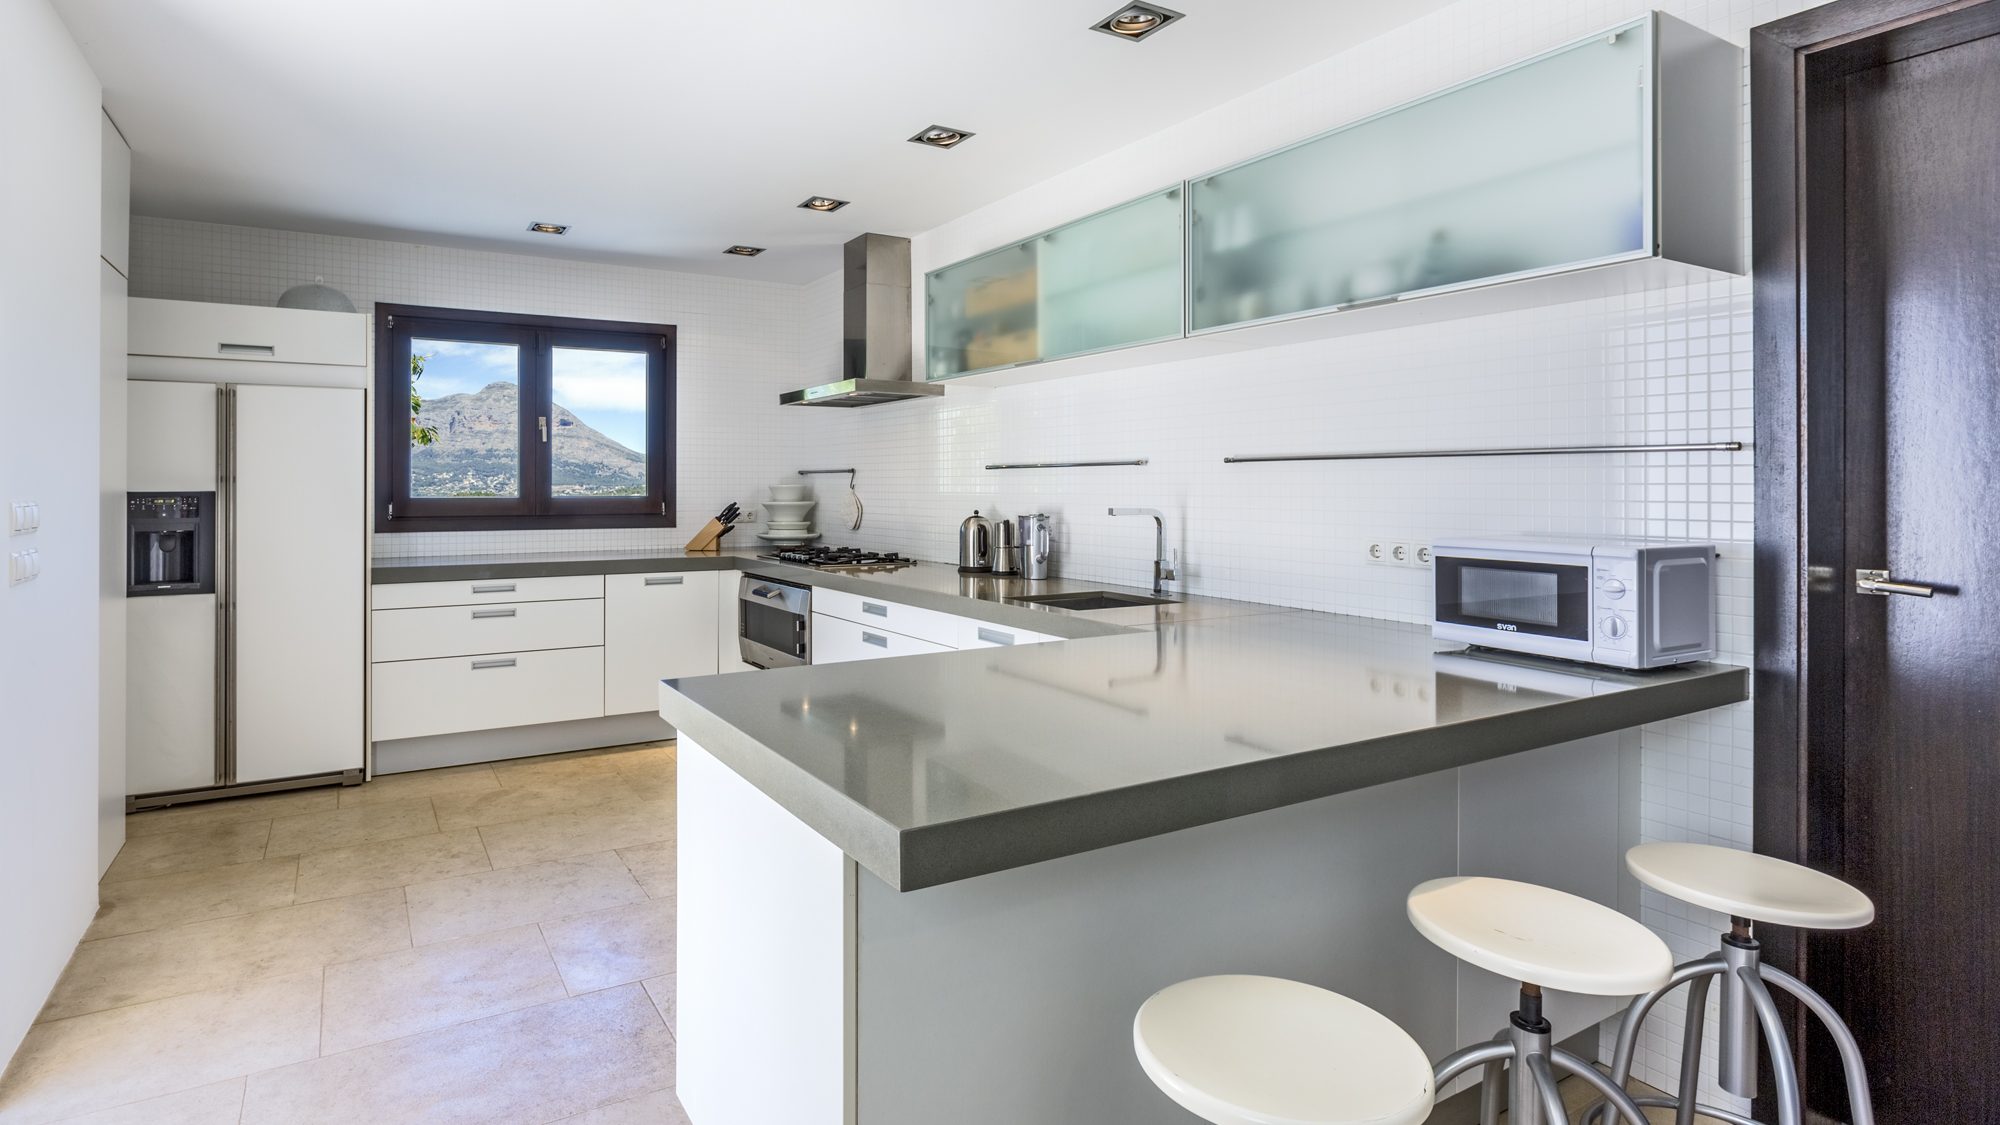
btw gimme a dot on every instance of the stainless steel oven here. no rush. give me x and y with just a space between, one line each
774 627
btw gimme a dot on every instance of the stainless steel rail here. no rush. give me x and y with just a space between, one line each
1534 451
1068 464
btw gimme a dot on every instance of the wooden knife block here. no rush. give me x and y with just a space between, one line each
708 538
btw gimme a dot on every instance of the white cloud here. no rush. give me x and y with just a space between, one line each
590 379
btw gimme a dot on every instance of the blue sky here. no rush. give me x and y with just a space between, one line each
607 389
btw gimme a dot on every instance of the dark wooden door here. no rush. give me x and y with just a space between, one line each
1920 768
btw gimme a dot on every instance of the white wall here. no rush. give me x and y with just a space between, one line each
114 251
49 453
737 346
1673 365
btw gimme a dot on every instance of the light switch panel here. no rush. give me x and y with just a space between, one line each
24 517
23 566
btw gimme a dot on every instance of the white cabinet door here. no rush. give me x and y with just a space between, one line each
923 624
416 698
169 437
656 626
836 640
261 333
467 630
299 580
488 591
115 223
170 673
973 633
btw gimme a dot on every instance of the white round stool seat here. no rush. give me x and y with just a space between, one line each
1744 884
1539 935
1244 1050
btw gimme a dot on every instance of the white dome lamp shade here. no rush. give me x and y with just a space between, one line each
317 296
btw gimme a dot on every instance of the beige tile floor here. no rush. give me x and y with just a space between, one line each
480 944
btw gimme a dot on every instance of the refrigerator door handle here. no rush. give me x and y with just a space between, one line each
225 586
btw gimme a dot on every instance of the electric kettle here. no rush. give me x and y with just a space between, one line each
975 544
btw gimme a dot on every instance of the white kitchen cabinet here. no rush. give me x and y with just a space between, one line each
657 626
115 199
467 630
922 624
299 575
836 640
266 339
974 633
415 698
488 591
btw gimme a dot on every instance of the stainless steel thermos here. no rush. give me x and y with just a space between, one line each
1037 546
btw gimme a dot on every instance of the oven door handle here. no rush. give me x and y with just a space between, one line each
768 592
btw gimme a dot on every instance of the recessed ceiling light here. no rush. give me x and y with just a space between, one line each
823 203
940 136
745 251
1136 21
549 228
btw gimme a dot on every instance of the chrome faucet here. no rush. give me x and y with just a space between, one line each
1163 567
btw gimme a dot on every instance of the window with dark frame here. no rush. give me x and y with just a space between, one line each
487 421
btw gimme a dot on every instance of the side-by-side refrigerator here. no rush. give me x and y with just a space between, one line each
247 587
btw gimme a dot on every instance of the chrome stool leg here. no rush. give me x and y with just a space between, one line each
1531 1059
1860 1107
1698 972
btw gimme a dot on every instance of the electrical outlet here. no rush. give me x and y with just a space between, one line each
1377 552
1402 554
1423 555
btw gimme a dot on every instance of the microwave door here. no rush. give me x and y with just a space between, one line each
1539 607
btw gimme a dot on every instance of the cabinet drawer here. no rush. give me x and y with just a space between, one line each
923 624
465 630
212 331
985 634
414 698
486 591
656 626
837 641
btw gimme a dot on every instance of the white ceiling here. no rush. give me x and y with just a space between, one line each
661 130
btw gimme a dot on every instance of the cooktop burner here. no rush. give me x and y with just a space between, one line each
839 558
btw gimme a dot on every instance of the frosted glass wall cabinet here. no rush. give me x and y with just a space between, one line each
1618 148
1107 281
1610 164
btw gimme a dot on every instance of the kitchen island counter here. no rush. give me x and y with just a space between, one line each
937 768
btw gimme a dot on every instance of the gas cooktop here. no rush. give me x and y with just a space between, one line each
839 558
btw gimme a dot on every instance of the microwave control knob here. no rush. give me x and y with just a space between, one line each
1613 588
1614 627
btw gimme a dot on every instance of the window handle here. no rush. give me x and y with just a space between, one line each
543 422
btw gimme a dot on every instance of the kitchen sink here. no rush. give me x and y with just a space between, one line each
1094 599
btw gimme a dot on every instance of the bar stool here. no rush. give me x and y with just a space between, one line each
1750 888
1542 938
1248 1050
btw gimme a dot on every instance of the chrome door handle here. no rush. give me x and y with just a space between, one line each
501 662
494 588
665 580
876 639
1879 583
480 614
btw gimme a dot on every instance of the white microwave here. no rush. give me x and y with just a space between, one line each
1627 604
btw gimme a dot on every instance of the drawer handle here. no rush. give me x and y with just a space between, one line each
479 613
877 610
996 637
502 662
665 580
876 639
493 588
245 349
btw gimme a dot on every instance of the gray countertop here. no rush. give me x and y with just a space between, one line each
931 769
1146 720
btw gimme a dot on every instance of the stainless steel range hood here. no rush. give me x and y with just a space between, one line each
875 330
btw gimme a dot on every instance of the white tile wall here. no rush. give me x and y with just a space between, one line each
1663 366
738 345
1670 365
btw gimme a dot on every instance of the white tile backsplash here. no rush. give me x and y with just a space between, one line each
1670 365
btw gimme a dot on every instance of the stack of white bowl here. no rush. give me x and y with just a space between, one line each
788 514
